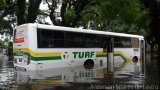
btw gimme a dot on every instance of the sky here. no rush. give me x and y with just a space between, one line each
45 7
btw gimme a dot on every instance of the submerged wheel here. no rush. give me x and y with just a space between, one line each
135 59
88 64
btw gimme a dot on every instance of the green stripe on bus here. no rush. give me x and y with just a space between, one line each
101 55
45 58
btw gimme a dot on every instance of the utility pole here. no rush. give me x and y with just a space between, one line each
110 56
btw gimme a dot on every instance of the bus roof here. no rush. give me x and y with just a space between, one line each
61 28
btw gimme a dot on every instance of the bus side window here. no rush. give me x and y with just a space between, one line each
50 44
122 42
105 48
135 42
58 37
118 42
104 42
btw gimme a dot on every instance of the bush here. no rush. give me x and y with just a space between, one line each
10 50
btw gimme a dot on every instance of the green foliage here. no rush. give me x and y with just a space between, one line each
7 17
13 12
69 15
10 44
153 7
1 43
10 50
124 16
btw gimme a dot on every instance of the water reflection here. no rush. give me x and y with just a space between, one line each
6 73
76 77
70 78
59 76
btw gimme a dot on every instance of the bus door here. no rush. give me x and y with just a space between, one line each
142 56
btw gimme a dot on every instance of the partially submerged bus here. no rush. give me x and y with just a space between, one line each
38 46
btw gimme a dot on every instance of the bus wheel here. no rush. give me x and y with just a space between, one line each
89 64
135 59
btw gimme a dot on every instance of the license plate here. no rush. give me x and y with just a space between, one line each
20 69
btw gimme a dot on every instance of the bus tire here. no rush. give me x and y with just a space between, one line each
135 59
88 64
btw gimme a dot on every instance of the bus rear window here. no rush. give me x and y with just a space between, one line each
19 36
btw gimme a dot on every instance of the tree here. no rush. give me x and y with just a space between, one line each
153 10
7 17
94 14
153 7
123 16
27 11
70 11
17 12
103 15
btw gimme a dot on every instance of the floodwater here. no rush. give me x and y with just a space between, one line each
127 76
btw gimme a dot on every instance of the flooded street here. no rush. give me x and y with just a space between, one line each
127 76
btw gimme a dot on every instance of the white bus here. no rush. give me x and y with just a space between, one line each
38 46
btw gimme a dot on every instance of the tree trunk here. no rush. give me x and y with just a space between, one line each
33 10
31 15
158 59
21 7
152 51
